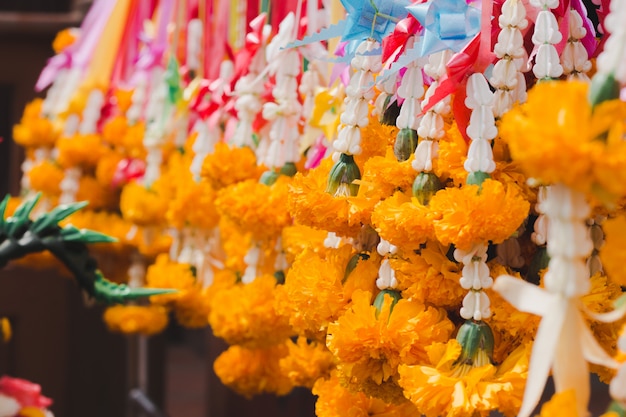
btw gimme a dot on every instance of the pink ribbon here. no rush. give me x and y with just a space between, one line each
79 53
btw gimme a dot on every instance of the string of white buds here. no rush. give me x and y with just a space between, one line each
431 127
386 274
359 92
252 260
574 58
387 87
155 125
411 89
284 113
613 58
545 36
481 129
475 277
540 228
569 241
248 104
507 76
194 44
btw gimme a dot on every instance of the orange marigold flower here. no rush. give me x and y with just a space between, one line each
311 205
245 314
253 371
317 288
255 207
403 221
334 400
34 130
46 177
306 362
146 320
468 215
80 150
370 344
226 166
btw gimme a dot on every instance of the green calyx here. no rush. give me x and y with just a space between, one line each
617 409
405 144
379 301
425 186
604 87
270 176
477 178
391 112
342 176
352 264
476 340
538 263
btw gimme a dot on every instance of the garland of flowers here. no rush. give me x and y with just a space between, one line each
365 231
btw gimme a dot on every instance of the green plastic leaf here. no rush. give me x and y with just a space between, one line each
110 292
72 234
54 216
3 208
21 215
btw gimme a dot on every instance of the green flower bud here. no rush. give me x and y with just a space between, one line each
269 177
425 186
603 87
342 176
391 112
477 178
289 169
380 300
406 142
476 340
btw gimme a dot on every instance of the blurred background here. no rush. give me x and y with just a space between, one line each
60 340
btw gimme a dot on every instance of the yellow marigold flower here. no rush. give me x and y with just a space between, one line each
253 371
5 329
311 205
255 207
193 205
132 141
313 294
306 362
296 238
467 215
449 389
375 138
80 150
370 345
164 273
106 168
234 243
64 38
144 206
146 320
382 176
34 130
403 221
562 404
46 177
123 99
566 142
429 277
245 315
193 307
334 400
99 196
226 166
451 157
114 129
613 251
